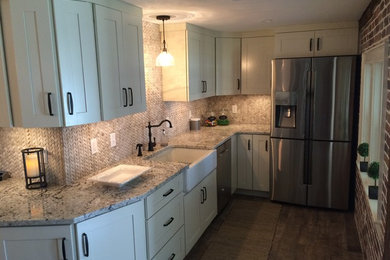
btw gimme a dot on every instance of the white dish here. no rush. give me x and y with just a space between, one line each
119 175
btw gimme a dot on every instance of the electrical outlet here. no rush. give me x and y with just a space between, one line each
112 140
94 146
234 109
189 114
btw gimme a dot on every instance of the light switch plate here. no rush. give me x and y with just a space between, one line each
112 140
94 146
234 109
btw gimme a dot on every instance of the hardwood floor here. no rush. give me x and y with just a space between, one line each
255 228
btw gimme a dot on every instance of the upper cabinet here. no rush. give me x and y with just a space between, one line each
121 65
55 61
5 106
77 61
31 63
317 43
257 54
193 75
228 66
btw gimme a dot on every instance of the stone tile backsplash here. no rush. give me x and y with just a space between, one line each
69 148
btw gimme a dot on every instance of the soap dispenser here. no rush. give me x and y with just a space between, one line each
164 138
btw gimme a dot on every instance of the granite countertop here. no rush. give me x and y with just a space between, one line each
67 204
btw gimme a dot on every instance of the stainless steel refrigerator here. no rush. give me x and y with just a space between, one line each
311 131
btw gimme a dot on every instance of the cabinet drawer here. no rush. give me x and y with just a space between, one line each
164 224
174 249
163 195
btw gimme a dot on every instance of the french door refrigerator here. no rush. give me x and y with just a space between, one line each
311 131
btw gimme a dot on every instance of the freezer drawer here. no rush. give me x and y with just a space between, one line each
288 171
329 181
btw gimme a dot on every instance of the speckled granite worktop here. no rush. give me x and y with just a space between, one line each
69 204
212 137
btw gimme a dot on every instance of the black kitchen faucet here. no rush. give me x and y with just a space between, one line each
153 144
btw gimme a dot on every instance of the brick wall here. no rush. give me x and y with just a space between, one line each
375 241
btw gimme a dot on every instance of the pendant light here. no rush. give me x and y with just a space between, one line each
164 58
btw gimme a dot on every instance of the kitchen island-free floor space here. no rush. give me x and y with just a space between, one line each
255 228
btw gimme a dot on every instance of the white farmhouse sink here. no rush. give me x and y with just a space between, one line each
201 163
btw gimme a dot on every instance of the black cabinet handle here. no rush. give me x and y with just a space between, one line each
238 84
172 256
205 193
266 145
49 103
70 103
125 95
318 44
63 249
169 222
168 192
203 86
131 97
249 145
84 238
202 199
311 44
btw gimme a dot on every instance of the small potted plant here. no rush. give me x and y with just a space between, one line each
363 152
373 172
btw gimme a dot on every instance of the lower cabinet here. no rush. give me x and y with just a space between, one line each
174 249
38 242
253 162
119 234
200 208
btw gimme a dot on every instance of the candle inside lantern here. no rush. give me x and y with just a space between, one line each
32 165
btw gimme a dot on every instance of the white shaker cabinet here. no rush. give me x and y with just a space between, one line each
228 66
257 54
193 75
31 62
5 105
331 42
77 61
119 234
200 208
39 242
120 57
253 162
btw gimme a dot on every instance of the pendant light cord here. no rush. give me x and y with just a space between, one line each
164 48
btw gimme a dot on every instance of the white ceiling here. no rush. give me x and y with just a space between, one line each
249 15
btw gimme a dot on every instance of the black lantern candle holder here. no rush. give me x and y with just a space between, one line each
34 168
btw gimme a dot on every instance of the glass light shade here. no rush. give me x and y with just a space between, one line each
165 59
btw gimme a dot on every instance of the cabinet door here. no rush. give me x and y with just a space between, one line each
5 105
31 63
114 91
294 44
261 163
244 162
195 82
228 66
119 234
39 242
192 219
257 54
77 61
208 210
208 65
336 42
134 75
